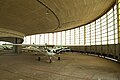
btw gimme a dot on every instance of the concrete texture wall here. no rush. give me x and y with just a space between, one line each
11 40
112 50
10 33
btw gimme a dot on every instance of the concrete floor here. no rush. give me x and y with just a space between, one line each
73 66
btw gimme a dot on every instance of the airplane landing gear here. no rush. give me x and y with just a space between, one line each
50 60
58 58
38 58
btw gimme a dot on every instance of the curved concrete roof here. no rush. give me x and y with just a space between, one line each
39 16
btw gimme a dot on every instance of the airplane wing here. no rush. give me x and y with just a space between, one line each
29 45
35 47
1 48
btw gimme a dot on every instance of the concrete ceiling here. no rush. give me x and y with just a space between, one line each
41 16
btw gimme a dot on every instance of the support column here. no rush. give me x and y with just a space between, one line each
16 48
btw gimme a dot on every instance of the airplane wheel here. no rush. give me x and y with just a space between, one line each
58 58
38 58
50 61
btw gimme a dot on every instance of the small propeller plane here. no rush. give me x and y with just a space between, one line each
50 52
1 48
5 47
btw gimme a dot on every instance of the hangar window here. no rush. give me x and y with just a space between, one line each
87 36
55 39
93 33
82 38
37 40
46 38
33 39
68 37
42 39
63 38
58 38
77 39
28 40
100 32
51 38
73 36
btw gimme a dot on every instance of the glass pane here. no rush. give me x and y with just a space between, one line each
77 41
55 38
37 39
51 38
42 39
73 36
68 37
63 38
82 35
58 38
87 27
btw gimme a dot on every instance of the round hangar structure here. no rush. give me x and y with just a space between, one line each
59 39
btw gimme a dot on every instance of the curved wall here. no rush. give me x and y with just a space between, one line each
11 36
103 31
100 37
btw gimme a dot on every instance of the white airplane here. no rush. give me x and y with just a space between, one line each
50 52
61 49
30 48
5 47
65 49
1 48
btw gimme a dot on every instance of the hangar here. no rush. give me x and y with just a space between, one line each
89 28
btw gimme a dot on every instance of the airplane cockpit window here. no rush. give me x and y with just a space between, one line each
48 50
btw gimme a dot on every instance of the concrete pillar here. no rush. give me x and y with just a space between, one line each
16 48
